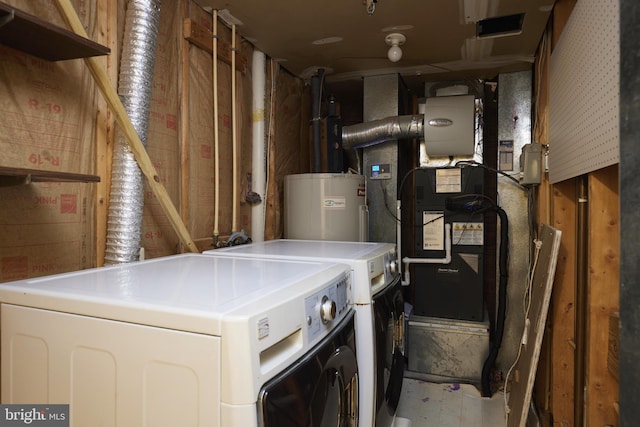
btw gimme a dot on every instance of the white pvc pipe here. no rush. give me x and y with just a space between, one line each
234 219
258 168
399 235
446 260
216 139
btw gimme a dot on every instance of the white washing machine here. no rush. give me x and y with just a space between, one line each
187 340
379 307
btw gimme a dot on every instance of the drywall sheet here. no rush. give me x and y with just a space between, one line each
584 92
539 296
49 112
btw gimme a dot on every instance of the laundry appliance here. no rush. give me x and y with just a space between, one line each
379 308
186 340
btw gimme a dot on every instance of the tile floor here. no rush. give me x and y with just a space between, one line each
448 405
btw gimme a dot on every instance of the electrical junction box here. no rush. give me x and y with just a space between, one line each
531 164
454 290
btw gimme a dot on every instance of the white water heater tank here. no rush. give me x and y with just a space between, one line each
325 206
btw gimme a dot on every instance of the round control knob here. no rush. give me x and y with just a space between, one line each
327 309
393 266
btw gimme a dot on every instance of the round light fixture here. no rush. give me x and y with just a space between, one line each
395 40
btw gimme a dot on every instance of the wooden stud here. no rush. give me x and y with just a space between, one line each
603 294
184 122
203 38
562 314
105 135
561 13
613 353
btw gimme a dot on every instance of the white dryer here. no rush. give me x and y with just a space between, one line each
379 306
188 340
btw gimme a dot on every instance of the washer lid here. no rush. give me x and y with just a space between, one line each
336 251
189 292
370 261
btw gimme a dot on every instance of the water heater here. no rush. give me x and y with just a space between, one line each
325 206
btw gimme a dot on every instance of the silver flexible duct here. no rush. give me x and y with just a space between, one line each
134 87
378 131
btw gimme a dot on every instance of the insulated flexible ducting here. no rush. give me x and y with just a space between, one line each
134 88
378 131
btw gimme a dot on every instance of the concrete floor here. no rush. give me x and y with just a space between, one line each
448 405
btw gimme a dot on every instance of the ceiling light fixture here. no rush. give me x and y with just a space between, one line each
371 6
395 40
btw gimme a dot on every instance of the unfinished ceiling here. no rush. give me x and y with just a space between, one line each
348 42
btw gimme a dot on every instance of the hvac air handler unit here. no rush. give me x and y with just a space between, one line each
453 290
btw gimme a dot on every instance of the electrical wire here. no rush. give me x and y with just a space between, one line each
526 303
386 205
404 178
531 211
465 228
473 163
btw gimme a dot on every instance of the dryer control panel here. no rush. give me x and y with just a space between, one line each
325 308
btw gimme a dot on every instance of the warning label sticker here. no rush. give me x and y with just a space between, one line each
467 233
449 180
433 231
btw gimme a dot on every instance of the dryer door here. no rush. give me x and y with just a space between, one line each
319 390
388 307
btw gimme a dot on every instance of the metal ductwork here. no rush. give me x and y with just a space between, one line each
447 127
378 131
134 88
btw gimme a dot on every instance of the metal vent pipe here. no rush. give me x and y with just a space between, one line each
126 203
378 131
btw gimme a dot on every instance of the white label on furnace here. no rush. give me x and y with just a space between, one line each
449 180
334 203
433 231
468 233
263 328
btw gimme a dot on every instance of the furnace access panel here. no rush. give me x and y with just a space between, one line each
451 290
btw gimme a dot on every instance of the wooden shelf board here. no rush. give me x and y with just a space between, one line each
30 34
15 176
